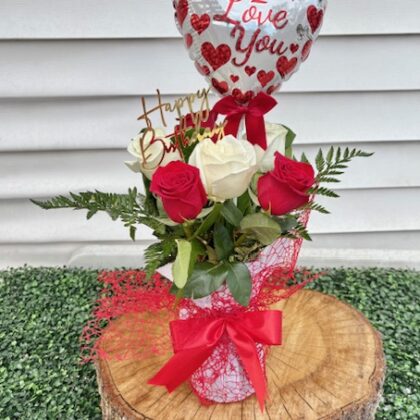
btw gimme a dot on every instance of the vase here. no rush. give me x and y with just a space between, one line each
222 377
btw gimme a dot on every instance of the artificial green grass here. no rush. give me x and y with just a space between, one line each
42 312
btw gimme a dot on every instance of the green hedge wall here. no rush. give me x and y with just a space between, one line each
42 312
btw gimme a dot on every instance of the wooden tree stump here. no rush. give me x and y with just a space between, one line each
331 366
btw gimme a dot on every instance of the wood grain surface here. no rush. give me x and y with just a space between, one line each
331 366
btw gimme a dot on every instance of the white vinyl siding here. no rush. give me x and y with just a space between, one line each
72 73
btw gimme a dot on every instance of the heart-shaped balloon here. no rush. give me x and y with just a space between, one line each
244 47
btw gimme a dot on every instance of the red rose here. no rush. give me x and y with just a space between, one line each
181 190
286 187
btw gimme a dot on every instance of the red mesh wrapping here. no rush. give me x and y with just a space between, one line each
147 307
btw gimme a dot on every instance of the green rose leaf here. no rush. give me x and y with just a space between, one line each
181 267
185 260
290 137
239 282
262 226
223 242
287 223
231 213
205 279
209 221
244 203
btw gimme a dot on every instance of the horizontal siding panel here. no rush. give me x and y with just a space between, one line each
367 210
59 254
404 240
23 222
132 67
43 174
109 122
343 249
52 19
71 74
378 210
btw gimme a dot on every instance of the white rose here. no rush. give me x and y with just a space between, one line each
276 142
153 155
226 167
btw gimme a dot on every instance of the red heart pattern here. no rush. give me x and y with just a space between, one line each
315 18
216 57
181 11
200 23
188 40
265 77
242 97
294 48
221 87
241 48
286 66
250 70
306 50
273 88
204 70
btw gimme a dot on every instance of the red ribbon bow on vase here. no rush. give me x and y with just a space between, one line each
254 116
194 340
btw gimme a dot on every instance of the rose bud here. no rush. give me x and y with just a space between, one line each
180 188
286 187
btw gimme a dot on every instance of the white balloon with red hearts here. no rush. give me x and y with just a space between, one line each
244 47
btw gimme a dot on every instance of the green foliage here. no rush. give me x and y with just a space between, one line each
330 166
228 233
231 213
149 201
186 257
129 208
300 231
205 279
333 163
261 226
42 313
187 147
223 242
239 282
181 267
158 254
245 203
290 138
209 221
317 207
325 192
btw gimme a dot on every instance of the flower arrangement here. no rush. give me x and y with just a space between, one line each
214 203
228 201
229 216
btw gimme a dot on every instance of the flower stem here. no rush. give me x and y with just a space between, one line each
187 230
241 240
209 221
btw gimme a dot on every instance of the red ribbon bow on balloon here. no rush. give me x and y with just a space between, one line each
195 339
254 116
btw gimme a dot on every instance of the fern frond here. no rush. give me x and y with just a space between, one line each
159 254
332 165
125 207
